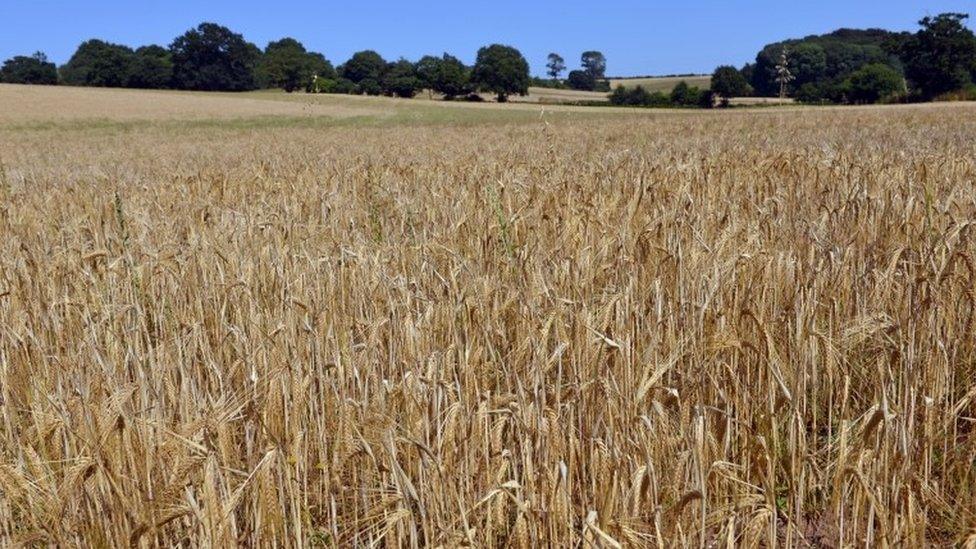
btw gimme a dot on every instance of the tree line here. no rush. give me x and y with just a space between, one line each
211 57
591 76
868 66
845 66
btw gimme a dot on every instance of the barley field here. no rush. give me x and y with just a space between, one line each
230 324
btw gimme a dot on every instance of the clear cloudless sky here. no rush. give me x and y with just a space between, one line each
638 38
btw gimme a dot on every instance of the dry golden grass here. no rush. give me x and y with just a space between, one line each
68 108
554 95
763 101
30 104
548 96
663 84
711 329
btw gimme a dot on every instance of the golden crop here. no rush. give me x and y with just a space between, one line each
703 329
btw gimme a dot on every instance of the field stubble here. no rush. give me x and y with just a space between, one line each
739 329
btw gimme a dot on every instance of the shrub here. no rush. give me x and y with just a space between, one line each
331 85
658 99
639 97
683 95
811 93
547 83
619 96
967 93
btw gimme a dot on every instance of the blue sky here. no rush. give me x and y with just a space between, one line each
651 37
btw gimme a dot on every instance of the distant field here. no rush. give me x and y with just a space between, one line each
64 107
33 104
662 84
549 95
665 84
536 95
765 101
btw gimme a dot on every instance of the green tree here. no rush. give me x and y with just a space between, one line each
595 63
400 79
807 63
286 64
211 57
445 75
728 82
98 63
843 58
581 80
152 68
427 68
501 70
555 65
706 99
681 94
364 65
621 95
872 83
453 78
818 62
941 57
34 69
320 66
